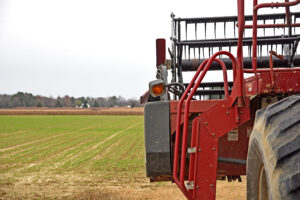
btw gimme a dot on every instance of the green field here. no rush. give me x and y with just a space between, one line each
81 157
64 143
38 151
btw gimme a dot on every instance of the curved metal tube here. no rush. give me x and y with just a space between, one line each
204 66
254 31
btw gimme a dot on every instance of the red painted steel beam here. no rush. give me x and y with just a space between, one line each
284 82
195 106
228 149
213 125
240 67
160 51
254 39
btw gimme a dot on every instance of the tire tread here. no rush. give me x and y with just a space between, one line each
278 128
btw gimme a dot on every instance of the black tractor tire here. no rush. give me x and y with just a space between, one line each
273 162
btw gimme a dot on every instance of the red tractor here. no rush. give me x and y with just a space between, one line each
198 132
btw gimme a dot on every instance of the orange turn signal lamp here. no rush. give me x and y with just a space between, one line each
157 87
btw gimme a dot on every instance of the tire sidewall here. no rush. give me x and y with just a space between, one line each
255 160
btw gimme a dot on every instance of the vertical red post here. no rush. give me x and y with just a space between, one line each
254 36
160 51
240 67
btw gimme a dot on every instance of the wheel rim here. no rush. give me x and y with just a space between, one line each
262 184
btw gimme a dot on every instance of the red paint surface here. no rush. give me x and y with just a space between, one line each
217 118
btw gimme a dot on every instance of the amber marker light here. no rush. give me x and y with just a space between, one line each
157 87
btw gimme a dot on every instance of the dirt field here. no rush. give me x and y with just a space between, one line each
81 157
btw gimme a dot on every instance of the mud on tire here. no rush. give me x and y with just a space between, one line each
273 163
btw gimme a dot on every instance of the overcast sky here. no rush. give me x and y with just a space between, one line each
88 47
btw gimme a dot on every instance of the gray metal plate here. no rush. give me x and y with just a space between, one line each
157 138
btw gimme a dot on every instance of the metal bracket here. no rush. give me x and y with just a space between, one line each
189 185
192 150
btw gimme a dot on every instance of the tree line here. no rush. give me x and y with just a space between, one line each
22 99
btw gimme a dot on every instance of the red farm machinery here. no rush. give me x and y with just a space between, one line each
198 132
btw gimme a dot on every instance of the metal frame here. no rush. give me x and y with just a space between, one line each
217 117
182 48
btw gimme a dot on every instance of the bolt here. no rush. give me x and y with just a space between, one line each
206 123
268 101
197 186
213 148
227 113
211 185
213 134
199 150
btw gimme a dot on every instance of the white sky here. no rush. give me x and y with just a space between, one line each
88 47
